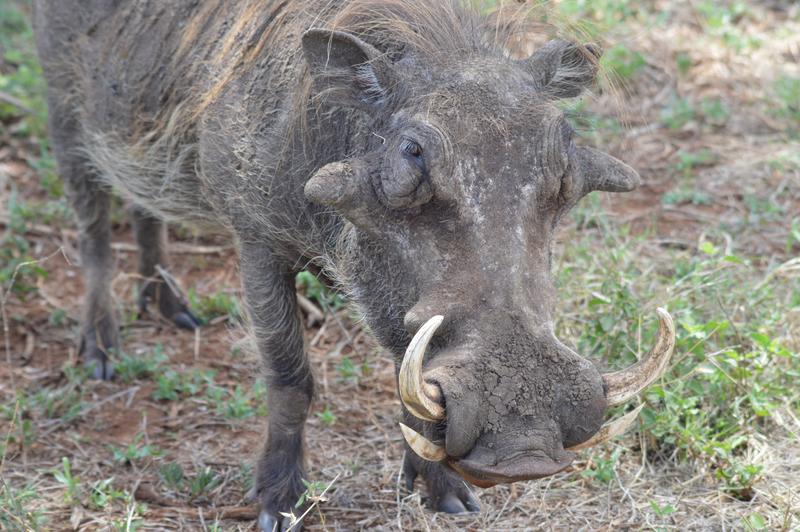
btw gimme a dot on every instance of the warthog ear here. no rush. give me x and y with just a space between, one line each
563 69
346 70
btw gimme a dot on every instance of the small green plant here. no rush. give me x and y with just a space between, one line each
662 511
314 290
132 367
691 160
19 272
787 90
714 111
203 482
134 452
677 114
347 370
245 477
622 63
755 521
604 470
722 20
172 385
102 494
132 520
313 492
70 482
214 305
326 416
597 17
684 63
172 475
237 404
58 317
683 195
14 512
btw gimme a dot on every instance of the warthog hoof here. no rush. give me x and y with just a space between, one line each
164 291
270 523
96 342
447 492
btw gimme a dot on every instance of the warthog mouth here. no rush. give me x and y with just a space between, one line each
423 399
523 467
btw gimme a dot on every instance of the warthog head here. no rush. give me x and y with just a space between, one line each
471 167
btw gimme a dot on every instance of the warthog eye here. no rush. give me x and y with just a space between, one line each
411 149
405 183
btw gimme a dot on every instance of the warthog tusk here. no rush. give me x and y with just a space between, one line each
418 396
623 385
609 430
422 446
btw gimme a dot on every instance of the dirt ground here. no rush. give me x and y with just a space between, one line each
353 441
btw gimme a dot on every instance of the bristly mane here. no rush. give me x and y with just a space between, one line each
434 30
161 149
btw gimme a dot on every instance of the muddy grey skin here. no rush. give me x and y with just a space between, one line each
402 155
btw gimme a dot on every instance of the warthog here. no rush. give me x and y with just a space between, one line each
393 147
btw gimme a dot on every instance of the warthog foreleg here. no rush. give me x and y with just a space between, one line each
269 289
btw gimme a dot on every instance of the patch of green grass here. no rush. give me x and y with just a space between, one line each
172 475
172 385
103 494
762 209
21 79
723 20
603 469
314 290
54 212
133 367
203 483
622 63
755 521
30 407
19 271
214 305
684 63
714 111
734 361
678 113
682 195
15 504
597 17
787 92
58 317
134 452
591 125
662 511
238 403
326 416
313 492
70 482
688 161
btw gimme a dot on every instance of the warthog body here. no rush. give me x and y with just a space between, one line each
404 156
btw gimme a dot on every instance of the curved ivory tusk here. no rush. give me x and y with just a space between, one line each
623 385
609 430
422 446
418 396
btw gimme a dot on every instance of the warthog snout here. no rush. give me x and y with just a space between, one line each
514 406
